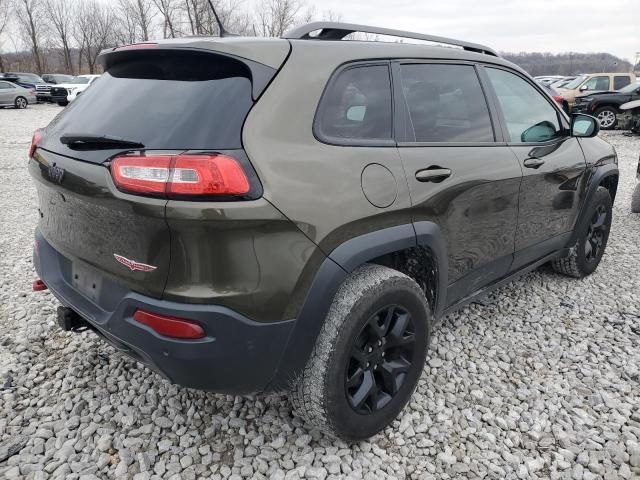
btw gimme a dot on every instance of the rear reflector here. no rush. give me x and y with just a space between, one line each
170 326
174 176
38 285
35 140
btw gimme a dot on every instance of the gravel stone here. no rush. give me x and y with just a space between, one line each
539 380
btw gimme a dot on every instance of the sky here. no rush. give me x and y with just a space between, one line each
508 25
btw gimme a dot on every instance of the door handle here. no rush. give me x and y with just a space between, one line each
533 162
433 174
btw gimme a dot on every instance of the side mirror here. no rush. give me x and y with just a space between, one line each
584 126
583 88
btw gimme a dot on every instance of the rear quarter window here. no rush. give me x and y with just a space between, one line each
621 81
356 106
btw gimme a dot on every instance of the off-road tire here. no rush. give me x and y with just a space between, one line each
576 264
320 394
613 111
635 200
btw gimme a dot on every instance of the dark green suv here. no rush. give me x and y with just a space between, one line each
245 214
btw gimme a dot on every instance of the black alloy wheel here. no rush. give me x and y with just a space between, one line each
596 234
381 356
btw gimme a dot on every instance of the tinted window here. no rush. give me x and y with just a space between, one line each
6 85
446 103
620 81
80 80
528 114
191 100
357 105
29 78
597 83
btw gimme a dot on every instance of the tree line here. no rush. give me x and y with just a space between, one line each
66 36
569 63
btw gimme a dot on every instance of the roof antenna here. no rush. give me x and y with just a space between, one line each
223 32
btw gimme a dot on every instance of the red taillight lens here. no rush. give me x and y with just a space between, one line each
38 285
35 140
558 99
170 326
180 175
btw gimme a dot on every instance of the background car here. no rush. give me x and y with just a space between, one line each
15 96
67 92
635 199
561 83
548 79
26 80
57 78
593 83
43 90
606 106
554 94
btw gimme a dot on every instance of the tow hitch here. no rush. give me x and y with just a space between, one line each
69 320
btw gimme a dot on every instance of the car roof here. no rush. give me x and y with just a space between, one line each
257 49
273 51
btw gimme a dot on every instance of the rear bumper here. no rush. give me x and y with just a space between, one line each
238 355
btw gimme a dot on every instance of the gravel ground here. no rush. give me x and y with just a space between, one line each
541 381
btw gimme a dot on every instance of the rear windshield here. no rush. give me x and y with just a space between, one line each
184 100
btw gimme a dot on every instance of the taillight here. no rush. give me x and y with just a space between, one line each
170 326
175 176
558 99
35 140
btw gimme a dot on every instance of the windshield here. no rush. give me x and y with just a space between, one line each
205 99
31 78
573 84
79 80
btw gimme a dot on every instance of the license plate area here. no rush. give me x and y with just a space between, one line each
86 281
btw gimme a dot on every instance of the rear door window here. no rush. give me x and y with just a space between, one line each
446 103
620 81
188 100
356 106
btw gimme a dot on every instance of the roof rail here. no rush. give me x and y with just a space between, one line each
338 30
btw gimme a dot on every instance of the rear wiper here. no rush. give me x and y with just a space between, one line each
87 141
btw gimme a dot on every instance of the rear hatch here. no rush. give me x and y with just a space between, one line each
158 101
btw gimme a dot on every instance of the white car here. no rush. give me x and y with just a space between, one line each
72 89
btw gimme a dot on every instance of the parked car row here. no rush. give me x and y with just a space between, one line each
605 106
13 95
58 88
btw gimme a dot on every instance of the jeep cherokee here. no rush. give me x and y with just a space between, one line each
262 214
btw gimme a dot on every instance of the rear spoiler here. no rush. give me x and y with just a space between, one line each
261 74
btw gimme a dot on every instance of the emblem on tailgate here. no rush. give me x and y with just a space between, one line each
133 266
56 174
